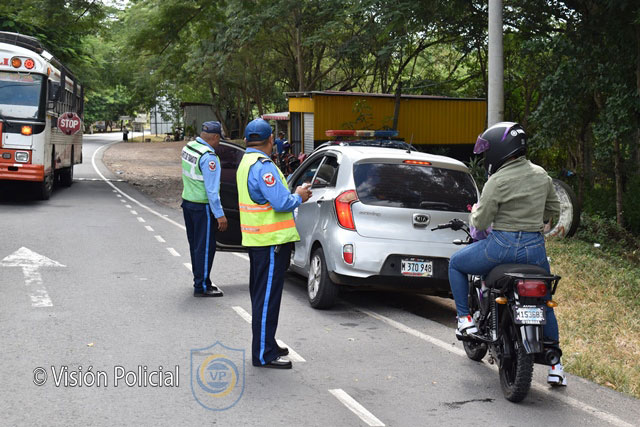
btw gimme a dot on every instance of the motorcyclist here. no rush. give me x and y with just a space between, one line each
517 201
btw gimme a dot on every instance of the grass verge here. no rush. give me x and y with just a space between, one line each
598 313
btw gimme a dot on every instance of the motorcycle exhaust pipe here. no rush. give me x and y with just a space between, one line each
552 356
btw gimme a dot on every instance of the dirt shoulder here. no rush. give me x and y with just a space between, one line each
152 167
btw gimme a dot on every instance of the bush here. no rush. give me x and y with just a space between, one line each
613 239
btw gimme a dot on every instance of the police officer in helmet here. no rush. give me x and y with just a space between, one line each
268 231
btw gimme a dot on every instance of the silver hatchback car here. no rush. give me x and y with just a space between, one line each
369 221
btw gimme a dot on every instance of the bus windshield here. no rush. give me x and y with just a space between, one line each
20 95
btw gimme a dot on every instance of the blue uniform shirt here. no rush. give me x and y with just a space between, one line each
278 195
279 145
210 167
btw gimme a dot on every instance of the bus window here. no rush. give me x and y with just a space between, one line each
20 95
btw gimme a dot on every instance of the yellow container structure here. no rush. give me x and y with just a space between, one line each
422 119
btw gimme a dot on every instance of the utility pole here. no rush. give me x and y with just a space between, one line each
496 65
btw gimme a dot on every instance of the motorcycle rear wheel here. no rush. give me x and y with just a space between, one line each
475 350
517 372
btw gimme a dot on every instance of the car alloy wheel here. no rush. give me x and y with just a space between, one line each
315 275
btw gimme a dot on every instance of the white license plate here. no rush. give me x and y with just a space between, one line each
530 315
410 267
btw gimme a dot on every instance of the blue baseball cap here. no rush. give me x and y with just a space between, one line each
212 127
257 130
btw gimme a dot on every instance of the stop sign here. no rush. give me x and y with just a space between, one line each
69 123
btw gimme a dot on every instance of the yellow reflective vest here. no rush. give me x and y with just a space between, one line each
261 225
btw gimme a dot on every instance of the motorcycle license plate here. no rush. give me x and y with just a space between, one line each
416 268
530 315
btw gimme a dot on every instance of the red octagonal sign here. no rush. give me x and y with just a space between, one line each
69 123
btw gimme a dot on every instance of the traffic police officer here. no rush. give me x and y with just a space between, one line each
268 230
201 203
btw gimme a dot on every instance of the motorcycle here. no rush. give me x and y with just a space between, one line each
508 306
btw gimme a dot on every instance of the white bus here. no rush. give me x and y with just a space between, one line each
41 110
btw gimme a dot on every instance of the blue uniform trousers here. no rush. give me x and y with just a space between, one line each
266 281
201 233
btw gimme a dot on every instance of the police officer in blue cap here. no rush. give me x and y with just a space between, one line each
201 205
268 230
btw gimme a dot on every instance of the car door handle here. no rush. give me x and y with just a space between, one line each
320 201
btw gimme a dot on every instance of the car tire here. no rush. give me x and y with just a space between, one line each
321 291
567 224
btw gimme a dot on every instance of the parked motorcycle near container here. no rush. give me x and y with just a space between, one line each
508 306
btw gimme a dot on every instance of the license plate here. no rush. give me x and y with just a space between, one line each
412 267
529 315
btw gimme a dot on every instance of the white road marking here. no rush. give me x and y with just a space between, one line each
293 356
93 162
173 252
356 408
188 265
140 219
122 200
118 195
575 403
240 255
404 328
134 212
160 239
242 313
127 206
30 263
148 227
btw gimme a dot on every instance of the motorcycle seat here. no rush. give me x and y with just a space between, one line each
493 278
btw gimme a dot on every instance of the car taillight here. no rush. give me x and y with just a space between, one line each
343 209
532 288
347 253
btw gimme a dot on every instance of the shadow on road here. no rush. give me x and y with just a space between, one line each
440 310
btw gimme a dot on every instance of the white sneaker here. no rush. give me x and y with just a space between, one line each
556 376
466 325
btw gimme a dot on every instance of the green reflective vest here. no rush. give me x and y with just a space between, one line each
261 225
192 179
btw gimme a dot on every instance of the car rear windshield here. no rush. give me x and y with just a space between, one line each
414 186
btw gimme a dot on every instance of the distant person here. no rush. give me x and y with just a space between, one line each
201 204
280 143
268 231
125 134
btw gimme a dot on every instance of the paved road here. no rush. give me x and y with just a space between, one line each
114 294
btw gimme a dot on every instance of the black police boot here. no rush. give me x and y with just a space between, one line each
212 291
282 351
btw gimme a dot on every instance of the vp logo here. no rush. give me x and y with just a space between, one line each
421 220
217 376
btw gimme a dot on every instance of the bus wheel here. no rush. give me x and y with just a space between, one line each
66 175
46 187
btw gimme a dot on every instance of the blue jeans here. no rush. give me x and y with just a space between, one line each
501 247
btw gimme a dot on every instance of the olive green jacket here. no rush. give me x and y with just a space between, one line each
519 197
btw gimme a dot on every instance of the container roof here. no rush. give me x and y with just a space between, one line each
310 94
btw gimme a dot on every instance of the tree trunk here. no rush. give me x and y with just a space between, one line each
637 147
618 175
396 110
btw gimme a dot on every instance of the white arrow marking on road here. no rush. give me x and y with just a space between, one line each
30 263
